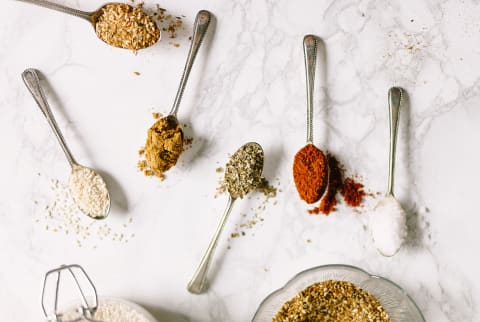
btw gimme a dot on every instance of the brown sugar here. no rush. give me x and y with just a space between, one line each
164 145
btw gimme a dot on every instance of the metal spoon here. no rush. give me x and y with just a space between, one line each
310 47
32 81
200 27
198 282
91 17
388 221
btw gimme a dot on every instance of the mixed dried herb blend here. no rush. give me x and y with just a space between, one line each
244 170
332 301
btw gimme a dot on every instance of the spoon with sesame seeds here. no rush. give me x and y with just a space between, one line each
87 187
243 174
117 24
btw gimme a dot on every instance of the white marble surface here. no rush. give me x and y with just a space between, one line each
248 84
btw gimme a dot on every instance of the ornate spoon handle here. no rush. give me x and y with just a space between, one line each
32 81
199 30
198 281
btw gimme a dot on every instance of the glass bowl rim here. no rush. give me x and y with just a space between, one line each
336 266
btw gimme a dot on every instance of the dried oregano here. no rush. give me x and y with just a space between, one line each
244 170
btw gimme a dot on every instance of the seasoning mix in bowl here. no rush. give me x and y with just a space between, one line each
338 293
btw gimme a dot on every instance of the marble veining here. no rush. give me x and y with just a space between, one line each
248 84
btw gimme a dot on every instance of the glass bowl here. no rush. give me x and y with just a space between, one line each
399 306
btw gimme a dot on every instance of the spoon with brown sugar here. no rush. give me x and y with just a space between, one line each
118 24
165 138
310 165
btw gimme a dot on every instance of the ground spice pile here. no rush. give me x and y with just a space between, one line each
352 191
163 146
124 26
310 173
332 301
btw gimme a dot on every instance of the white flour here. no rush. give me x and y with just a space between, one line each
114 311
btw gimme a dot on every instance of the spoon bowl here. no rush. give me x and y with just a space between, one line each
388 226
93 201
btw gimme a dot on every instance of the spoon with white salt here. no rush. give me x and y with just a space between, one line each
388 220
87 187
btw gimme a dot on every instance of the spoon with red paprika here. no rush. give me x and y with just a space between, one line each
310 165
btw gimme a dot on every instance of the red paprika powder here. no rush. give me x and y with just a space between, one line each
310 173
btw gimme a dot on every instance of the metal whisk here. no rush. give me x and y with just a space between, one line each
86 310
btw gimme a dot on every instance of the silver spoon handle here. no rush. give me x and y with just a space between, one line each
394 102
58 7
32 81
199 30
198 281
310 53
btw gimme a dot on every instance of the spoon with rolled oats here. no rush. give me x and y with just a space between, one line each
117 24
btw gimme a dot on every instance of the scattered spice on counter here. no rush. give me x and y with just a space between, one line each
169 23
124 26
332 301
164 145
89 191
310 173
352 191
187 143
61 215
243 171
249 220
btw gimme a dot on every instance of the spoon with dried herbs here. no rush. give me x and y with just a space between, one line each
118 24
388 220
243 174
87 187
164 143
310 165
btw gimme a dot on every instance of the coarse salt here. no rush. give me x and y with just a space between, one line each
388 226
